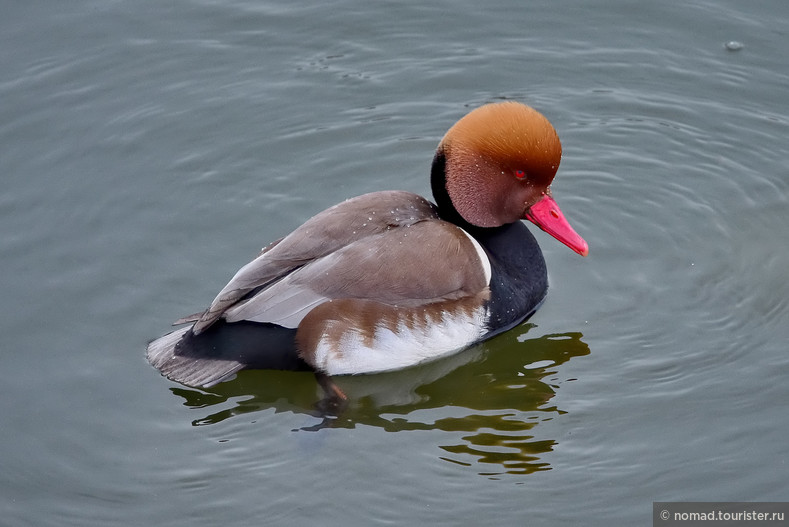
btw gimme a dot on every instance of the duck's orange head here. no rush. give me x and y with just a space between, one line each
495 166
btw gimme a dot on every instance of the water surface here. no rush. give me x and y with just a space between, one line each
148 150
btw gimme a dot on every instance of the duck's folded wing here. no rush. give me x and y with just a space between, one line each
344 224
427 262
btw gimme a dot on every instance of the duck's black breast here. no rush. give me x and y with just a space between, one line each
519 278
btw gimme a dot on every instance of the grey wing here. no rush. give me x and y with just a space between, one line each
327 232
389 267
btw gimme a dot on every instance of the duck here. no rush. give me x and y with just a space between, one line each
388 280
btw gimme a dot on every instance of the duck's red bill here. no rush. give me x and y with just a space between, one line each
547 215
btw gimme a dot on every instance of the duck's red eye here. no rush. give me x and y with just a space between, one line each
520 174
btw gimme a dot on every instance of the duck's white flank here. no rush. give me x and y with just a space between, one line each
403 347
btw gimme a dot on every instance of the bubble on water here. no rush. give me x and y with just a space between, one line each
734 45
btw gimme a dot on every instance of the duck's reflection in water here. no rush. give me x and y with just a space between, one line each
493 395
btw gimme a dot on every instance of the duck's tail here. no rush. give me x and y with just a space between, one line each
219 353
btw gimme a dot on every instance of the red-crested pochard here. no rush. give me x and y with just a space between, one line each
387 280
